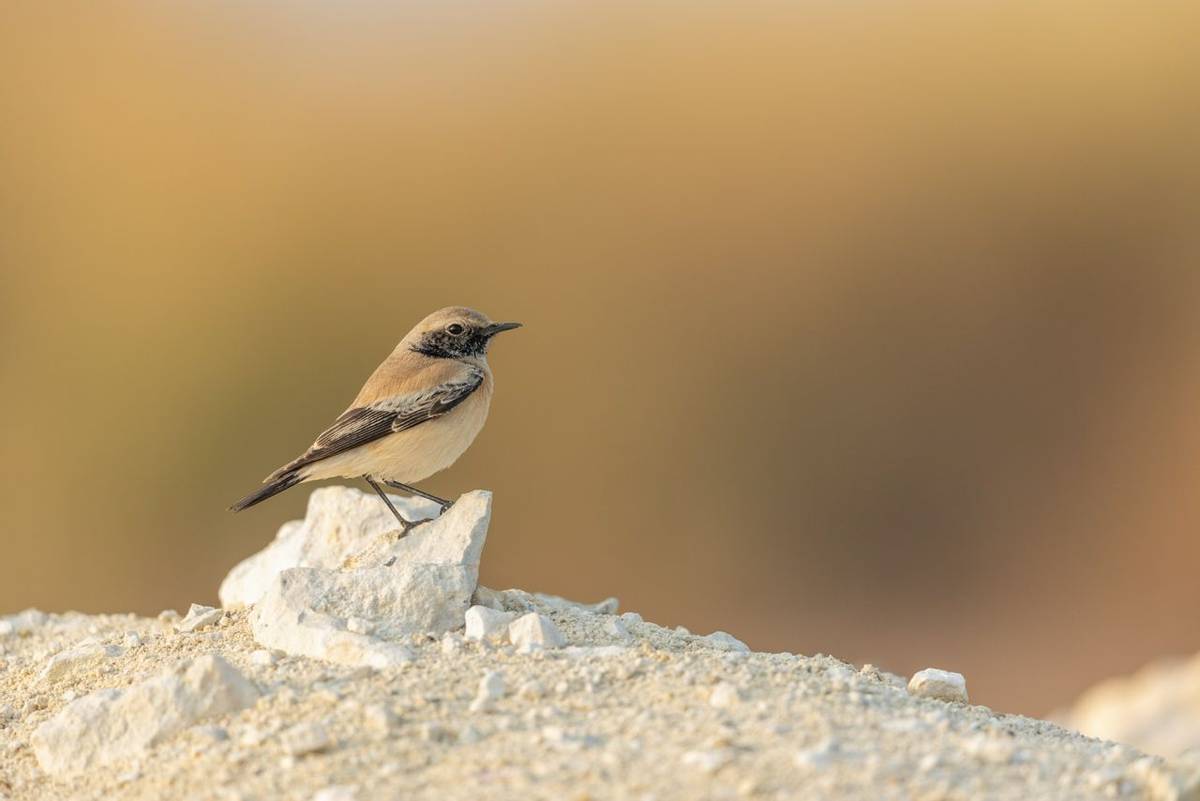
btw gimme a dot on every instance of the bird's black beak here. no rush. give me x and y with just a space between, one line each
496 328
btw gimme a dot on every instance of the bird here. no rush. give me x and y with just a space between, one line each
417 413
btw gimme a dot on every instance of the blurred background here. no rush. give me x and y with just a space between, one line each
858 328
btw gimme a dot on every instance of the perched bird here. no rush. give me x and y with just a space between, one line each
417 413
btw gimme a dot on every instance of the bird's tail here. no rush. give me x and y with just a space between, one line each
275 485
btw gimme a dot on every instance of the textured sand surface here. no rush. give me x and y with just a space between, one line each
627 710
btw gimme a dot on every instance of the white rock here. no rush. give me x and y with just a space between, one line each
131 639
343 528
724 695
7 627
534 631
199 616
725 642
305 612
631 618
1156 709
305 738
491 689
110 725
393 589
940 684
84 656
249 579
483 623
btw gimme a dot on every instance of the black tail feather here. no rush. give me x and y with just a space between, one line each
276 486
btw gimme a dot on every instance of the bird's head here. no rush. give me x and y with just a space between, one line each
455 332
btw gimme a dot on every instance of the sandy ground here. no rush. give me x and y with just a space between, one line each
630 710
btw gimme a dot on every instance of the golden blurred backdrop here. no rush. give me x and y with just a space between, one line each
858 328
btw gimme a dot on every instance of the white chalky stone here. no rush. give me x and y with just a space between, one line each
535 631
198 617
113 724
943 685
483 623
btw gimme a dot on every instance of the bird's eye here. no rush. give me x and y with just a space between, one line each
455 329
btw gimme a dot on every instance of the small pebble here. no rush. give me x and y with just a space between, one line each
942 685
199 617
534 631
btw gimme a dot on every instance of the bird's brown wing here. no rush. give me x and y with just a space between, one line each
362 424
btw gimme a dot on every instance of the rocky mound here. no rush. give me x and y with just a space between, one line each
1156 709
348 664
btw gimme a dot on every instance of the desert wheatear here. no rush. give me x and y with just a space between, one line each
417 413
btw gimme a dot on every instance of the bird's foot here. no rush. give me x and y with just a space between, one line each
408 525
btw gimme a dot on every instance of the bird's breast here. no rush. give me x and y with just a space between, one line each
414 455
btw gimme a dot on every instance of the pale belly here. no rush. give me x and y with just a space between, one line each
413 455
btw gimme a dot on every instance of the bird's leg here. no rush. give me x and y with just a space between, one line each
445 504
405 525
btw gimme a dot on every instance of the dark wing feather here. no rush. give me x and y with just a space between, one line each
364 424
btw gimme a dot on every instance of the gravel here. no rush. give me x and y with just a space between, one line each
649 714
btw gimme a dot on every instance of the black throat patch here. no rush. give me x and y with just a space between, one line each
444 345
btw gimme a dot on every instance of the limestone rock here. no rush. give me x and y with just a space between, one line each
483 623
306 609
940 684
114 724
381 589
534 631
83 656
198 617
1156 709
340 524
